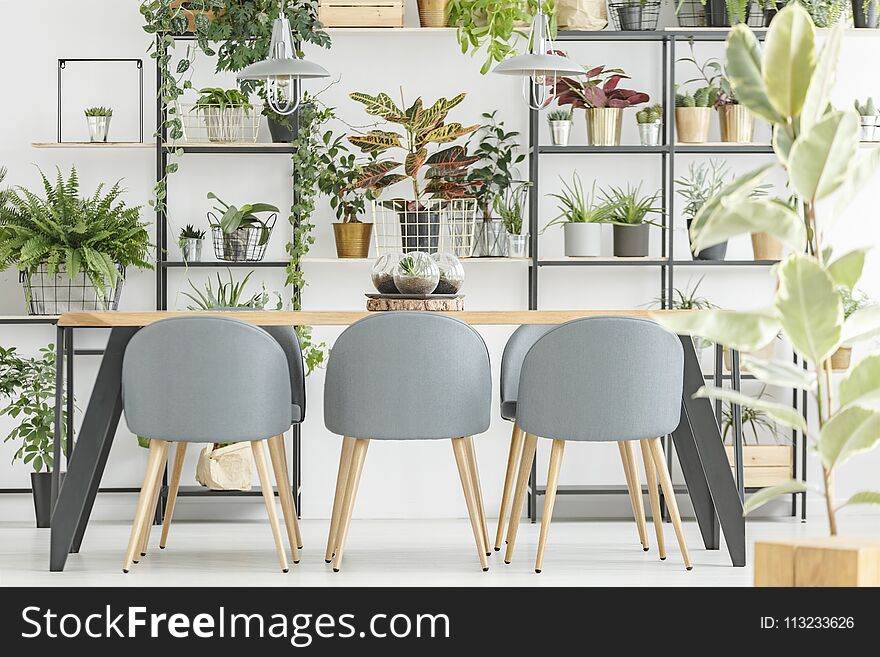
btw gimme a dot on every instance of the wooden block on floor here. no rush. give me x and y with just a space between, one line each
445 305
830 561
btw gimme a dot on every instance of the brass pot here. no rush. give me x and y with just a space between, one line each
766 247
603 125
432 13
841 358
737 124
692 124
352 239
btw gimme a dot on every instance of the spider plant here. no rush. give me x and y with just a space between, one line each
688 299
629 207
576 206
752 418
510 207
229 294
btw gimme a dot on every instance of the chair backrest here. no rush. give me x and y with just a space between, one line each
518 345
602 378
205 379
286 337
408 375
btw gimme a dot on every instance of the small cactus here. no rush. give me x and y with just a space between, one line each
868 109
653 114
680 100
701 97
689 101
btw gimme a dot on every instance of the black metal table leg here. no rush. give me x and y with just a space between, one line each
77 495
70 396
59 412
702 436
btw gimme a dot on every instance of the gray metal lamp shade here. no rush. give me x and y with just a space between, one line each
537 65
291 66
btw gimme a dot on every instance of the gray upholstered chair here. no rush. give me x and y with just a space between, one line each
210 380
406 376
628 376
518 345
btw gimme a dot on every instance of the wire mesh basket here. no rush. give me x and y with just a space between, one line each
432 226
220 124
634 15
246 244
54 294
692 13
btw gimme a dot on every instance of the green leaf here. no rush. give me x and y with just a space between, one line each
847 270
820 158
739 189
780 373
863 497
862 380
759 499
782 143
863 324
782 413
789 59
380 105
733 217
745 331
848 432
809 307
819 91
743 65
376 141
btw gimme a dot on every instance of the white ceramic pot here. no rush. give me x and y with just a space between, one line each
560 132
869 128
583 239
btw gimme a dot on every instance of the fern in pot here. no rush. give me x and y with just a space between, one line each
71 250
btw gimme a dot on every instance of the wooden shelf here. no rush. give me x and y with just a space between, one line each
92 144
602 261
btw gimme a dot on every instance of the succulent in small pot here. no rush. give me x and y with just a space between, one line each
693 114
223 111
190 242
416 273
582 217
869 119
382 273
628 211
451 273
598 94
559 120
511 209
736 121
650 122
239 234
98 119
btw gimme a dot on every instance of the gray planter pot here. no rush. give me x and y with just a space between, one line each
632 241
582 239
717 252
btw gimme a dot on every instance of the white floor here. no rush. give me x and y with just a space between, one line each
391 553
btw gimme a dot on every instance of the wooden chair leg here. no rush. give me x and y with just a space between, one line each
530 445
516 440
635 493
654 496
288 506
155 462
345 453
478 490
299 538
269 499
549 499
173 487
148 527
669 495
465 473
359 453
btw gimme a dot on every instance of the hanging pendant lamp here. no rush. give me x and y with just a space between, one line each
541 67
282 70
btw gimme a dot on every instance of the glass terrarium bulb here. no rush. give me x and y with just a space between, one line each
416 273
451 273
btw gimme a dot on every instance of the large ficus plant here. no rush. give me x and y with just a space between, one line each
817 147
445 177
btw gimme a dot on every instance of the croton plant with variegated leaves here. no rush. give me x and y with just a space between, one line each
817 146
445 177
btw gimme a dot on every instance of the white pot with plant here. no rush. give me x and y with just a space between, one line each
650 122
62 267
223 112
583 217
511 208
98 120
559 120
819 146
868 119
190 242
27 390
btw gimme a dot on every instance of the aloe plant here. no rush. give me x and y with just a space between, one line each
229 294
788 83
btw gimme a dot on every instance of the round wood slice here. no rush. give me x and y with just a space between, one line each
415 304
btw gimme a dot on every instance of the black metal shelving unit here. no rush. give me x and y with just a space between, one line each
667 263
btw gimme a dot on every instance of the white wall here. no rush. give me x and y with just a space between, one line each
400 479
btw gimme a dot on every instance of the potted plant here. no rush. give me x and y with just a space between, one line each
628 212
635 14
489 179
416 273
763 464
864 13
339 172
693 113
852 302
650 122
582 217
766 246
806 308
433 13
435 191
229 295
825 13
602 100
559 120
239 234
724 13
223 111
28 384
72 251
190 242
868 117
98 119
510 207
703 181
688 299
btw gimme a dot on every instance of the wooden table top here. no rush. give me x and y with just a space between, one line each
340 317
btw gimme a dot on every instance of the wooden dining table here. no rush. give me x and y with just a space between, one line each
704 463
